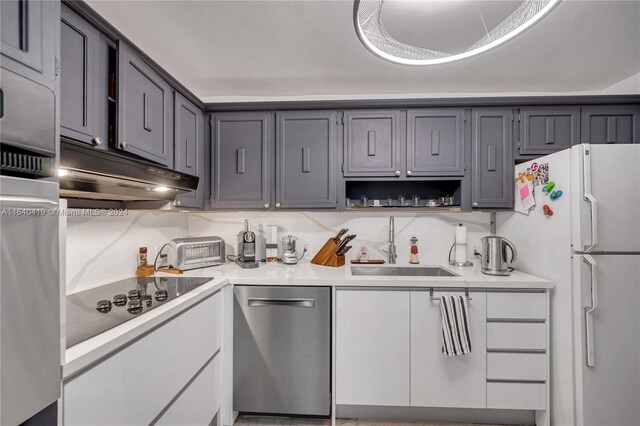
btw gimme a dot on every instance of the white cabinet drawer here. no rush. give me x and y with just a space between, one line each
516 366
200 402
515 335
134 385
517 396
516 306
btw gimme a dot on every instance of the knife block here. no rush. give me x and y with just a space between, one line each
327 255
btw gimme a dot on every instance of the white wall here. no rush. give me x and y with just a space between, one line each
434 231
103 249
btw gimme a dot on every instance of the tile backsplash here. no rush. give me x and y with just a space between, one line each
103 249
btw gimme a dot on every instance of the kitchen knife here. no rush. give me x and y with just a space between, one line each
344 251
344 242
340 234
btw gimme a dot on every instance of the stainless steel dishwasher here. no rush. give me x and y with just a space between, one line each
282 350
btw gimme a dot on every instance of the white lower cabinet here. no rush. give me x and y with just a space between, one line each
372 347
136 384
442 381
389 351
200 402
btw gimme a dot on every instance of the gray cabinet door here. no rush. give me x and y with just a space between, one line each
79 82
241 160
28 30
372 143
145 114
306 159
189 149
545 130
611 124
435 142
492 180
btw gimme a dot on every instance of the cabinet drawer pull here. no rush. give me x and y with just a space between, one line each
371 143
550 124
435 142
145 112
240 161
612 130
491 158
306 160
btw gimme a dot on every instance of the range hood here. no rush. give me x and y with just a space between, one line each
99 174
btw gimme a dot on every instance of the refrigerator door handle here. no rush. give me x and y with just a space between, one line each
588 311
593 202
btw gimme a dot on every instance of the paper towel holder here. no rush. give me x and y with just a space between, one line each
460 264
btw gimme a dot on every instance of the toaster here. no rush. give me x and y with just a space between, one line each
200 252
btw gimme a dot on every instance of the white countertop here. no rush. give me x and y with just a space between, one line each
92 350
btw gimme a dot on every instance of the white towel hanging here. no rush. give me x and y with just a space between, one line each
456 338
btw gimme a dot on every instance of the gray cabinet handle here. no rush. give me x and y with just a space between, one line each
300 303
435 142
97 140
491 158
550 131
475 204
397 172
240 161
124 145
187 163
371 143
277 204
588 312
266 205
612 129
409 172
306 160
145 112
593 202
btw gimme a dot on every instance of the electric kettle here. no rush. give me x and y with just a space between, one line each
494 255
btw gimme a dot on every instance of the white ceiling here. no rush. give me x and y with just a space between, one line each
263 50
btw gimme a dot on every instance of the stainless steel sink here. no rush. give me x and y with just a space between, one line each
400 271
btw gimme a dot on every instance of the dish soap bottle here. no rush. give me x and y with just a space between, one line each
414 251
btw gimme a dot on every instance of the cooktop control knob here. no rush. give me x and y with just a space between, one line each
120 300
104 306
134 307
134 294
162 295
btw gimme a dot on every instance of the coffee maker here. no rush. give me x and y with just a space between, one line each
246 257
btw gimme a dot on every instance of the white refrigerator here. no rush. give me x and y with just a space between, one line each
590 249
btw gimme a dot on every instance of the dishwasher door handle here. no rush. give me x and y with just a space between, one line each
299 303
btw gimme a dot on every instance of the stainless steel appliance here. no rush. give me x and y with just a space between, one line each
494 255
94 311
246 257
108 174
199 252
281 348
29 298
290 254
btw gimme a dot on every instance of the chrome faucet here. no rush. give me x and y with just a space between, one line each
392 242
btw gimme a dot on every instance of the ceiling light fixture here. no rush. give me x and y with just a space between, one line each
373 34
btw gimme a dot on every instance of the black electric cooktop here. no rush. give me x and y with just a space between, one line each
94 311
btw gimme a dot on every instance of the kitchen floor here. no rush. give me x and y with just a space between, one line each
246 420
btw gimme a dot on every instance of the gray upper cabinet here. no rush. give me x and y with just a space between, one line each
372 143
189 149
145 113
305 159
27 34
492 141
611 124
545 130
241 160
83 82
435 142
